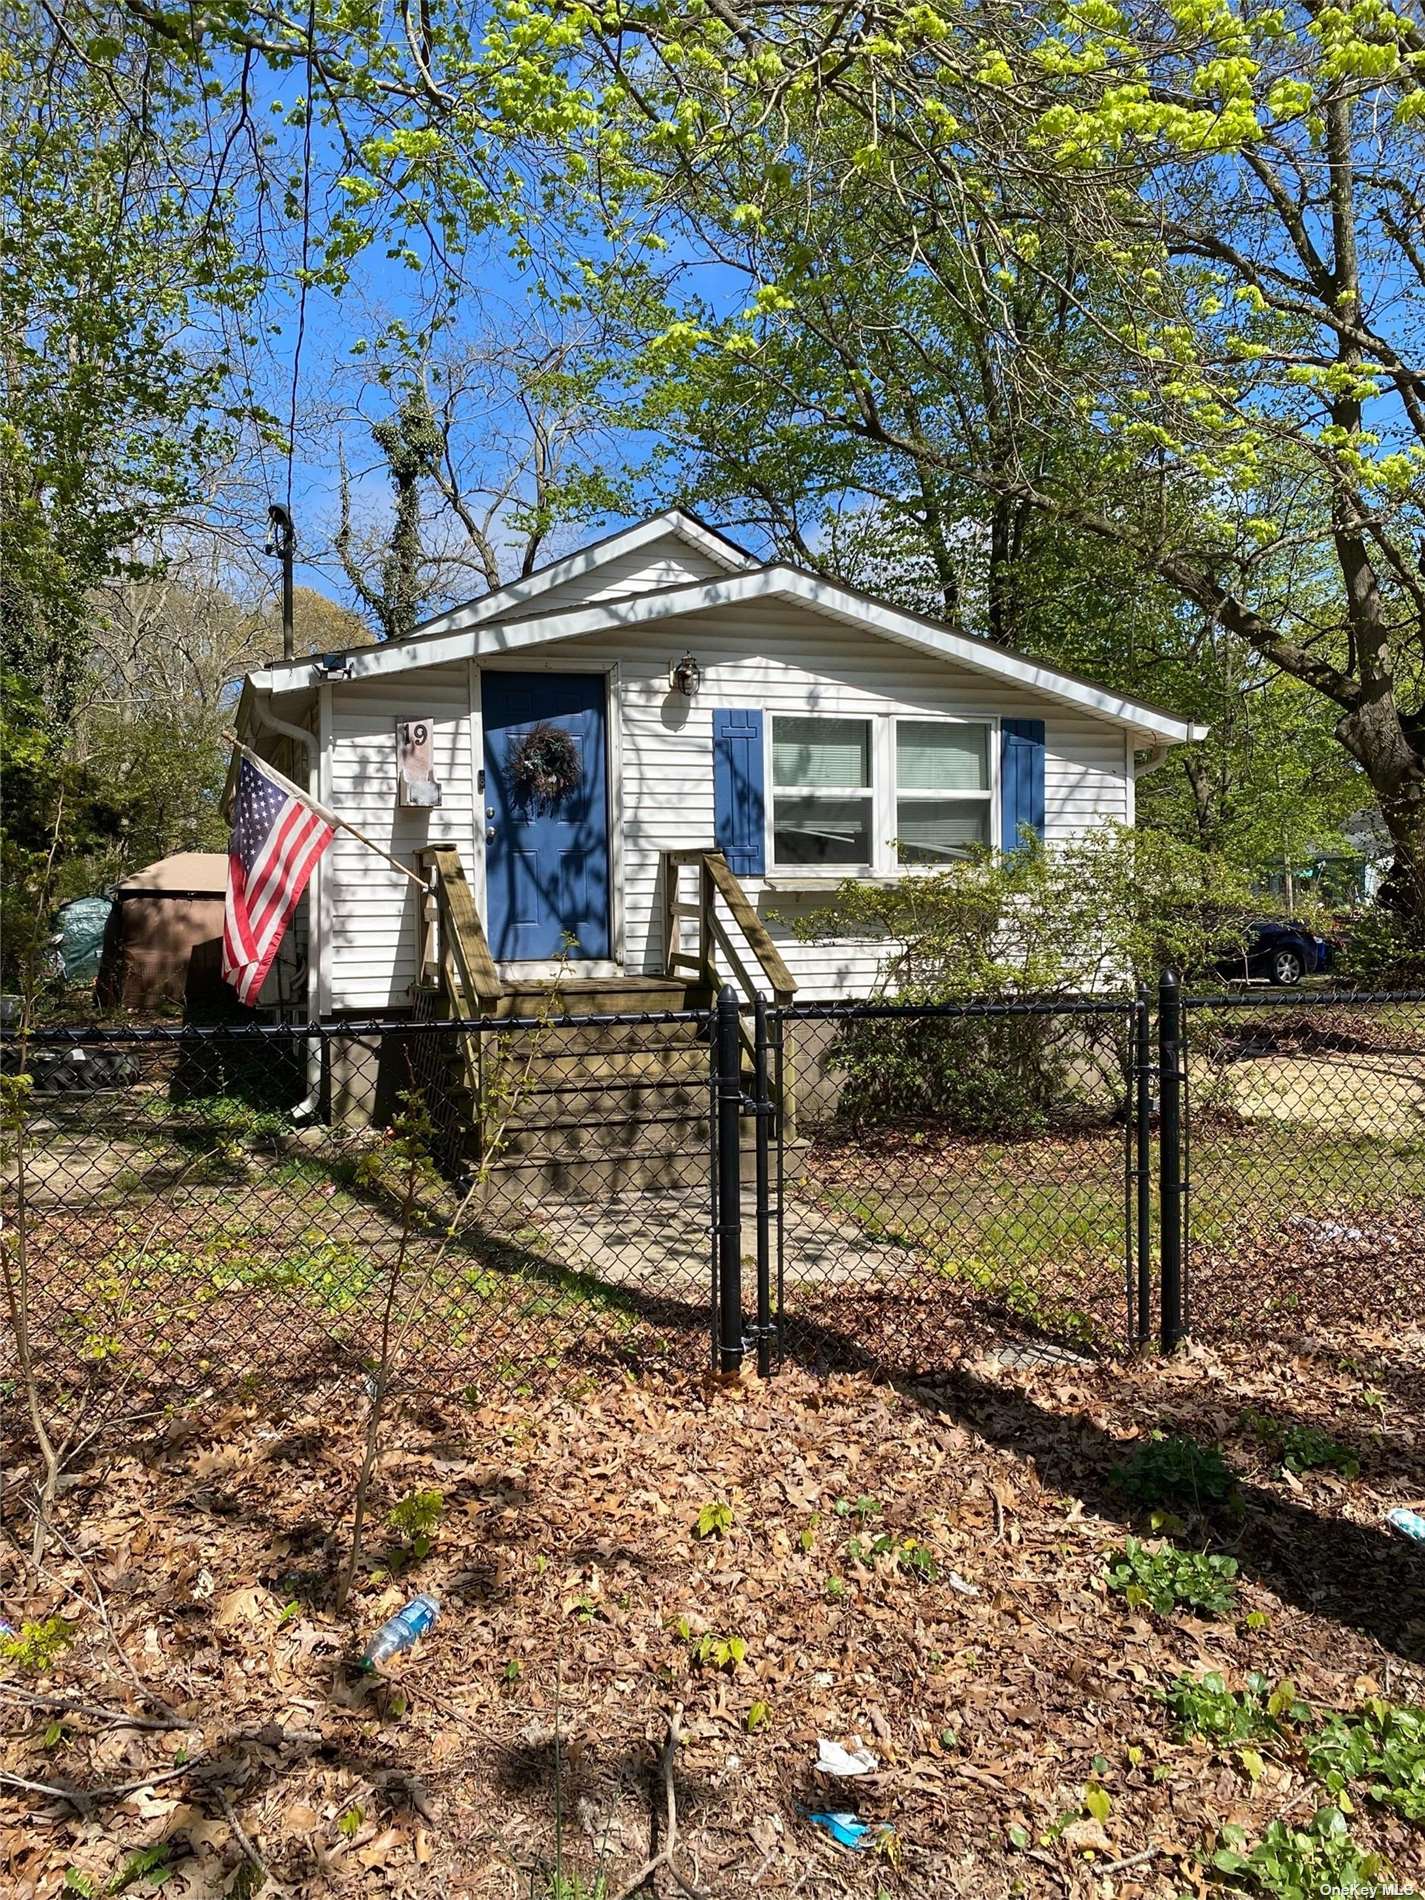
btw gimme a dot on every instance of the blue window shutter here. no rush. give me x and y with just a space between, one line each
1021 780
739 805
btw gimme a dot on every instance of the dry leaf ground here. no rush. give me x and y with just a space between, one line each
198 1550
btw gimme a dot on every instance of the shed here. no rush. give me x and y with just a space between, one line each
165 934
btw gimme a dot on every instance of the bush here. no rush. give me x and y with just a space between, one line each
963 1074
1097 916
1385 950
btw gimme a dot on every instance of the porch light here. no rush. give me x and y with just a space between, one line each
685 676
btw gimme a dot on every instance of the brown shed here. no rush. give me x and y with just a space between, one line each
164 939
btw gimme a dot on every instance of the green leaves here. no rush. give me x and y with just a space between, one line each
1289 1862
1169 1579
714 1519
1384 1748
1176 1472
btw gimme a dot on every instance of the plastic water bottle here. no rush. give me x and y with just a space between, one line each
398 1632
1408 1523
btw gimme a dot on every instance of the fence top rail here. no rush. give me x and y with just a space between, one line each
970 1006
1300 999
90 1036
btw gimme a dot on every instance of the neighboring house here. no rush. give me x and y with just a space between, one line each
717 704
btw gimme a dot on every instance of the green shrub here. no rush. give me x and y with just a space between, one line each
966 1075
1169 1579
1175 1473
1107 910
1295 1863
1385 950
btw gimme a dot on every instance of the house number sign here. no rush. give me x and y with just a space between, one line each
416 782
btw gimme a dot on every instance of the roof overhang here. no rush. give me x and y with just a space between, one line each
1150 725
517 595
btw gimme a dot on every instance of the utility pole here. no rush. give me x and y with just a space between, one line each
282 544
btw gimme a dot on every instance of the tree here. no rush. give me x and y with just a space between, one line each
495 445
410 442
116 289
1180 252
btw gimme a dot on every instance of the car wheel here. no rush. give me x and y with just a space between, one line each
1287 968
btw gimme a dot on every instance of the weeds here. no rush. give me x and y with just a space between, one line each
1293 1862
1383 1747
1206 1706
37 1646
908 1555
1175 1473
415 1521
1169 1579
1302 1447
714 1519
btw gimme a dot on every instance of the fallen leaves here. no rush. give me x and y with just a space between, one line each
564 1581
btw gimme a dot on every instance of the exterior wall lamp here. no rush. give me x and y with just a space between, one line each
685 676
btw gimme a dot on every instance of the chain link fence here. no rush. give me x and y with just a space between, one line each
208 1208
955 1176
1304 1163
539 1200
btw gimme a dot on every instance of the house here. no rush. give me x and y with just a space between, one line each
715 703
739 737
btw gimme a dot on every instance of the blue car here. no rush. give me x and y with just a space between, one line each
1281 953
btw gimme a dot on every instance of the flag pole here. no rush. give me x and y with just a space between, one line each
323 811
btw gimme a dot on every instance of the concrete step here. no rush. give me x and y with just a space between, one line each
592 1176
649 1131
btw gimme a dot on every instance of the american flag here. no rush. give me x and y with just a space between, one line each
277 839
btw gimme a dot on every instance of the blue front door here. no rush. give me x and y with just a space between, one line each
546 865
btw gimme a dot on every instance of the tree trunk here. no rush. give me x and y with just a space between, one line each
1391 751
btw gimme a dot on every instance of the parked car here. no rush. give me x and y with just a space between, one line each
1281 953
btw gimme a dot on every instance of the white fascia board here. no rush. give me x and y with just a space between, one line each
789 583
512 597
737 589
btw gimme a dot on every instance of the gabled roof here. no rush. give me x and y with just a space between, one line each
516 596
511 622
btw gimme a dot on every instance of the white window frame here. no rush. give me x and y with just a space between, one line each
871 793
884 792
990 795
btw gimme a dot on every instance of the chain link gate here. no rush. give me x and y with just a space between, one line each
891 1240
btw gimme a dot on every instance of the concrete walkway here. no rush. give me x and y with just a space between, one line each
659 1239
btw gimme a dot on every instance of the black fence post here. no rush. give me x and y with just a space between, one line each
762 1108
729 1182
1142 1162
1170 1157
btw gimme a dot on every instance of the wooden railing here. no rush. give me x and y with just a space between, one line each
715 955
455 955
455 959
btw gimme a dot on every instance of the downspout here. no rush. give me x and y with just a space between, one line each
1157 755
263 716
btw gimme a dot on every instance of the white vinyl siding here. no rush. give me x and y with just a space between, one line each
785 658
372 912
666 562
781 657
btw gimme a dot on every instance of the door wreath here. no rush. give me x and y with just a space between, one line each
544 765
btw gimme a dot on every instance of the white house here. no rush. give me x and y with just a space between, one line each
714 704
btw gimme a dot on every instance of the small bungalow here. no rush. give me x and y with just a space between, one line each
635 767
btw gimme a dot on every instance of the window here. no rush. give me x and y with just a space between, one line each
942 790
872 794
822 800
